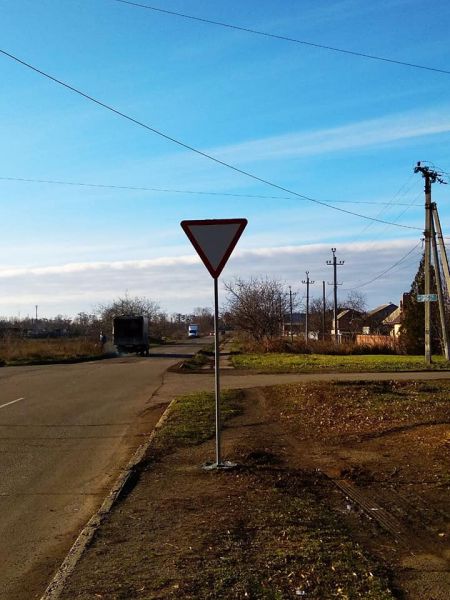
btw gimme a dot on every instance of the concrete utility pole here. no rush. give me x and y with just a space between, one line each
281 316
324 300
440 295
430 177
335 264
444 259
308 283
290 309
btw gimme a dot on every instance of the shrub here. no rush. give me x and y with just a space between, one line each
299 346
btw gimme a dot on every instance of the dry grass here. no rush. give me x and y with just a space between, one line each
299 346
23 351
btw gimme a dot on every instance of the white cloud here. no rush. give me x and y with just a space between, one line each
180 283
98 266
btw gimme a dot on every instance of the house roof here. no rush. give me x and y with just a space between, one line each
297 317
347 311
382 308
394 318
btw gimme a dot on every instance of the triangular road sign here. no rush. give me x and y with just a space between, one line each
214 240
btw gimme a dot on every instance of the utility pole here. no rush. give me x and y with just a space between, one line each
308 283
430 177
440 295
281 316
335 264
36 306
323 310
444 259
290 309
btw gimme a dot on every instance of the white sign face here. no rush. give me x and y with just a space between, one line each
214 240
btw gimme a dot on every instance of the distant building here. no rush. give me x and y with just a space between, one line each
374 321
394 321
297 326
349 322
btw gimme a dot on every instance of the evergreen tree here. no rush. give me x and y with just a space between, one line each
412 334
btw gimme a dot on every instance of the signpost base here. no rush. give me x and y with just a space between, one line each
225 465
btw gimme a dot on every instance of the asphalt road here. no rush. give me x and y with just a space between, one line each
65 433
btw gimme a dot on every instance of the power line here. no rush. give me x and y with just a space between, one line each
177 191
285 38
196 150
386 270
391 202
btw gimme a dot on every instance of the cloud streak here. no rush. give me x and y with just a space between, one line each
363 134
181 282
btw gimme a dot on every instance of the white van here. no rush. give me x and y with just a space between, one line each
193 330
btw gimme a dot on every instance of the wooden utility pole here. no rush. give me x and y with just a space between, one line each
308 283
335 264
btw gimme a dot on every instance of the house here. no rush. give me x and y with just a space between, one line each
374 321
349 322
297 326
394 321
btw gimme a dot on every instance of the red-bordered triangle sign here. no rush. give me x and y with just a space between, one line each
214 240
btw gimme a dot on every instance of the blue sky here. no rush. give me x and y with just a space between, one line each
331 126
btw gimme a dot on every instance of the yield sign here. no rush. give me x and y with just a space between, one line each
214 240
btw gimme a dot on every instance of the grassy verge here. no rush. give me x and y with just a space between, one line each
27 351
288 363
191 419
200 360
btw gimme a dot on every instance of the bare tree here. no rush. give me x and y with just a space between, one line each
257 306
127 306
316 316
204 317
356 301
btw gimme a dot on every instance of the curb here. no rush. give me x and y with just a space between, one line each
56 586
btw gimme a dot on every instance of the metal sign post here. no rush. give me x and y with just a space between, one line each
217 371
214 241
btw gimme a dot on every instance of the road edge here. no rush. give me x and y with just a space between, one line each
56 585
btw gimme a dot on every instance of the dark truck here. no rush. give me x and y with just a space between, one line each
130 334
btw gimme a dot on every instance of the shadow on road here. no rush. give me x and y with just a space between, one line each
169 355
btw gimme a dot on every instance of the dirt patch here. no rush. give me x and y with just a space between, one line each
329 501
386 447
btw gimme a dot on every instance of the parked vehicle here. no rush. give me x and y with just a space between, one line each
130 334
193 330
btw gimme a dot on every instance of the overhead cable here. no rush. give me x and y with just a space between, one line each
196 150
285 38
386 270
177 191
